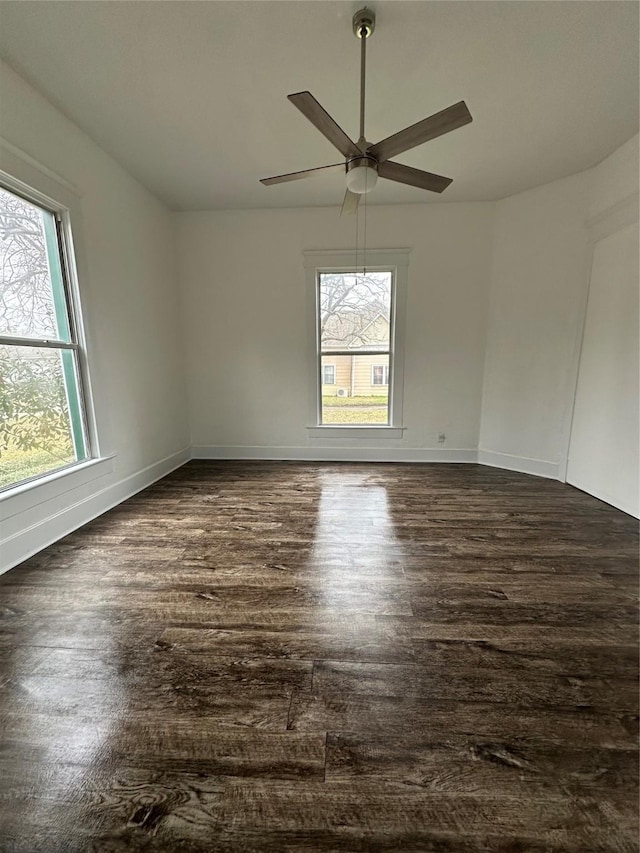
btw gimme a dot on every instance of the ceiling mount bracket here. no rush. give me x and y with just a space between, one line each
364 23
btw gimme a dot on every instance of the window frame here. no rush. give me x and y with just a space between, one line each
62 213
395 261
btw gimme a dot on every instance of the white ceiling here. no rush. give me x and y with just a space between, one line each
191 96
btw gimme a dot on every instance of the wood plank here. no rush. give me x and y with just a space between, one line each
519 767
369 713
530 632
376 644
461 682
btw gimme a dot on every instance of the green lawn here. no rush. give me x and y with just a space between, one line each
355 410
377 400
354 417
17 465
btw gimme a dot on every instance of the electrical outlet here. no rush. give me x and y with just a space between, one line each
441 438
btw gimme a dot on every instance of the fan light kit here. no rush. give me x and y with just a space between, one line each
364 162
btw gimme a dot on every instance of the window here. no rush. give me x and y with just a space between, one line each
354 317
43 424
328 374
380 374
356 320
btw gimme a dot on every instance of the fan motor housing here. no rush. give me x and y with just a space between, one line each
364 23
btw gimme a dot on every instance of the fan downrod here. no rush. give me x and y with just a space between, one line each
364 23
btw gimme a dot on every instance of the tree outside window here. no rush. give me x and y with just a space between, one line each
42 424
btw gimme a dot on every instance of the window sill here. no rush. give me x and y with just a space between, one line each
16 499
366 432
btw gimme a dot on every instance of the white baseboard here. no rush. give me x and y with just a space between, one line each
523 464
334 454
27 542
606 497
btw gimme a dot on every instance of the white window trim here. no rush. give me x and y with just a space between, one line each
21 174
397 260
19 498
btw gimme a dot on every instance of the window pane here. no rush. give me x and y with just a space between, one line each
356 399
40 421
355 311
32 301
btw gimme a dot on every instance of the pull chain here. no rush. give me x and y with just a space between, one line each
357 235
364 237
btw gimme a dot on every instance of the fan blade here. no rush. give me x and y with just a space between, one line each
319 117
350 203
414 177
296 176
429 128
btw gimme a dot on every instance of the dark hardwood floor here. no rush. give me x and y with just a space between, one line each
326 657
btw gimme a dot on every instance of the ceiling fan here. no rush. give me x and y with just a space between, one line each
364 162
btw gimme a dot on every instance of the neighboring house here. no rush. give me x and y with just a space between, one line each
363 373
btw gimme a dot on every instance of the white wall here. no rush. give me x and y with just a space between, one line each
604 447
126 260
243 286
546 241
535 317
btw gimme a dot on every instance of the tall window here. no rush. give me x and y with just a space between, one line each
354 313
42 414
